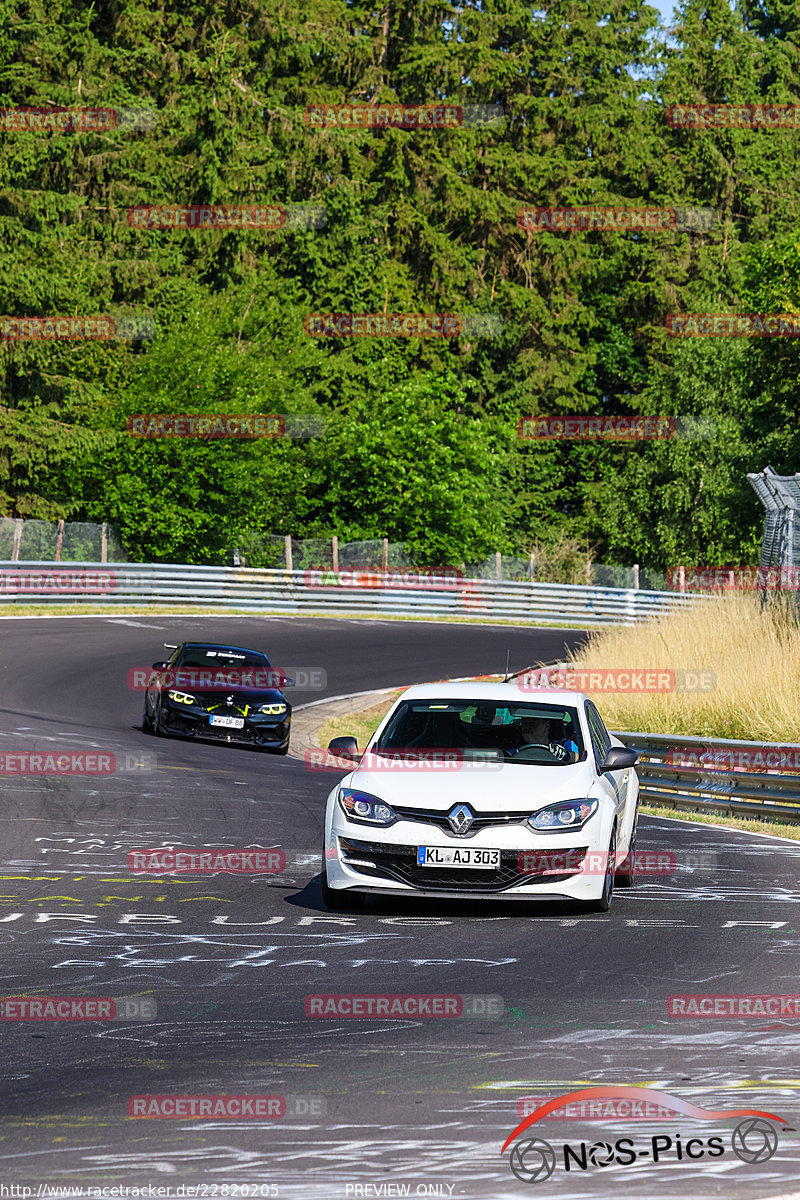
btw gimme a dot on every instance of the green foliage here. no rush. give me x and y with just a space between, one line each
420 440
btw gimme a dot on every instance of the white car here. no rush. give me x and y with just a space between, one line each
483 789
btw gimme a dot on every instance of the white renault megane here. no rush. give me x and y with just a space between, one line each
483 789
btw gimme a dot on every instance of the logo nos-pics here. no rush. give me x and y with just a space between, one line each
533 1160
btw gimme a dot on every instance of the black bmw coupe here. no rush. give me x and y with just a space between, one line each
223 693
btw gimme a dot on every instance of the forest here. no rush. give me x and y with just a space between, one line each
326 216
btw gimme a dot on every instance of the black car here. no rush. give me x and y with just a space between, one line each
224 693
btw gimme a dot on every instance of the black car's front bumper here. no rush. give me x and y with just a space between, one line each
190 721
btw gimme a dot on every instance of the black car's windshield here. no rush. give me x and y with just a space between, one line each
548 735
200 659
201 666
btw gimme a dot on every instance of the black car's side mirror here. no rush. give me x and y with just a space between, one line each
162 666
618 758
343 747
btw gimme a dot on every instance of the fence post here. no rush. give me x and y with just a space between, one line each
385 554
636 577
59 539
498 566
287 550
681 579
104 543
588 572
17 537
335 547
533 566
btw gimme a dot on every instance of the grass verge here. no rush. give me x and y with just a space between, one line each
751 652
360 725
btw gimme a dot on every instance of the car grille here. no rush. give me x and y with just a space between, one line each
400 863
429 816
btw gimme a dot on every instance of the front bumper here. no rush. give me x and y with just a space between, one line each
384 861
180 720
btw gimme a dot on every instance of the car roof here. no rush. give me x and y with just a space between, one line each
511 692
219 646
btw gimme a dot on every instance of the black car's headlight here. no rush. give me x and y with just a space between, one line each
273 710
568 814
361 806
181 697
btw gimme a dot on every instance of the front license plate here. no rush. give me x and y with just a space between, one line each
438 856
228 722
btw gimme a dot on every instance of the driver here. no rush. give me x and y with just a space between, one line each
536 732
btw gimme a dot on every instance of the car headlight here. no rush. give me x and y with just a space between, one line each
181 697
568 814
273 710
361 806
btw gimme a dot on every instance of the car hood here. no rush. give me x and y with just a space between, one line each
488 787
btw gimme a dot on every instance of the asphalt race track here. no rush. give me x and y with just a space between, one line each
417 1107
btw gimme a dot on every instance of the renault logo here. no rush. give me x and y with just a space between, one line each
461 818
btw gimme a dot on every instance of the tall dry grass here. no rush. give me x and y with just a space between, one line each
754 652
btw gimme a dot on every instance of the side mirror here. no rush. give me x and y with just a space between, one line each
162 666
344 747
287 682
618 758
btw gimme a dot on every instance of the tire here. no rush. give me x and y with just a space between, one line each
339 901
147 721
604 903
627 870
157 729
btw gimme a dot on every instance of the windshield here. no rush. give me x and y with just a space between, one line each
208 667
548 735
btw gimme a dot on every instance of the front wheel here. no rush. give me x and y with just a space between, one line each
604 903
627 870
338 900
147 720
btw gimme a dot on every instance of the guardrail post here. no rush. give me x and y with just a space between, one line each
17 537
588 572
636 577
498 566
104 543
533 566
385 563
287 550
59 539
335 548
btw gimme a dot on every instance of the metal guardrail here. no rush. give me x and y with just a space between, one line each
277 590
684 772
